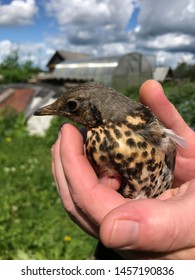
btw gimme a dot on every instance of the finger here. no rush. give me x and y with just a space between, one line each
58 173
90 195
152 95
63 190
152 224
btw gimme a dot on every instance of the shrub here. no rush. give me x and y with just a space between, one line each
13 71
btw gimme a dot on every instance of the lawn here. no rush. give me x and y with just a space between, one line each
33 223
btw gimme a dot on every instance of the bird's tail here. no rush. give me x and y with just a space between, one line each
178 140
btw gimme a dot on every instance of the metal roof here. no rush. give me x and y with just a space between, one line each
61 55
87 69
162 73
132 68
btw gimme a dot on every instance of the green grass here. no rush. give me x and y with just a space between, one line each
182 96
33 223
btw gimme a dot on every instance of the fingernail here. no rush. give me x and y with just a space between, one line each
124 233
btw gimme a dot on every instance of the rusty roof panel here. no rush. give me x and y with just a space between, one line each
19 99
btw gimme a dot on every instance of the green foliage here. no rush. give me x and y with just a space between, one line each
185 71
13 71
12 123
11 61
182 95
33 223
132 92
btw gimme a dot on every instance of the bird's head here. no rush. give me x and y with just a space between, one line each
82 104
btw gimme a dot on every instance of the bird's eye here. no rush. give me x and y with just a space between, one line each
72 105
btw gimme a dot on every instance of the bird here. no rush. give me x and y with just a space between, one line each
124 138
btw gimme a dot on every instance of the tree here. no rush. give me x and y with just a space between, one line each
11 61
185 71
15 72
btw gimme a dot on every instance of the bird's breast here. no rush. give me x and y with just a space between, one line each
118 147
118 150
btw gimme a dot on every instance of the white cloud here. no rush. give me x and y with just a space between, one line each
188 58
173 59
161 17
91 22
82 12
5 46
77 11
165 29
170 41
38 53
191 6
98 27
18 12
117 48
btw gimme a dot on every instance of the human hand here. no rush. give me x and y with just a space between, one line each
150 228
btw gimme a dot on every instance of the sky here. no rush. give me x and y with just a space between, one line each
37 28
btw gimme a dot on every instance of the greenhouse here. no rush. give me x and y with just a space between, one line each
119 72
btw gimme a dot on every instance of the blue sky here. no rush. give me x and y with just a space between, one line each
37 29
133 20
44 25
41 26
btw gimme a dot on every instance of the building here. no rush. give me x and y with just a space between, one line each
119 72
163 74
61 56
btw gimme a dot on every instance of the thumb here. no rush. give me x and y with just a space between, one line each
152 95
151 224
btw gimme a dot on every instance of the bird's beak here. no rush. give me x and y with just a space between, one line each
46 110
